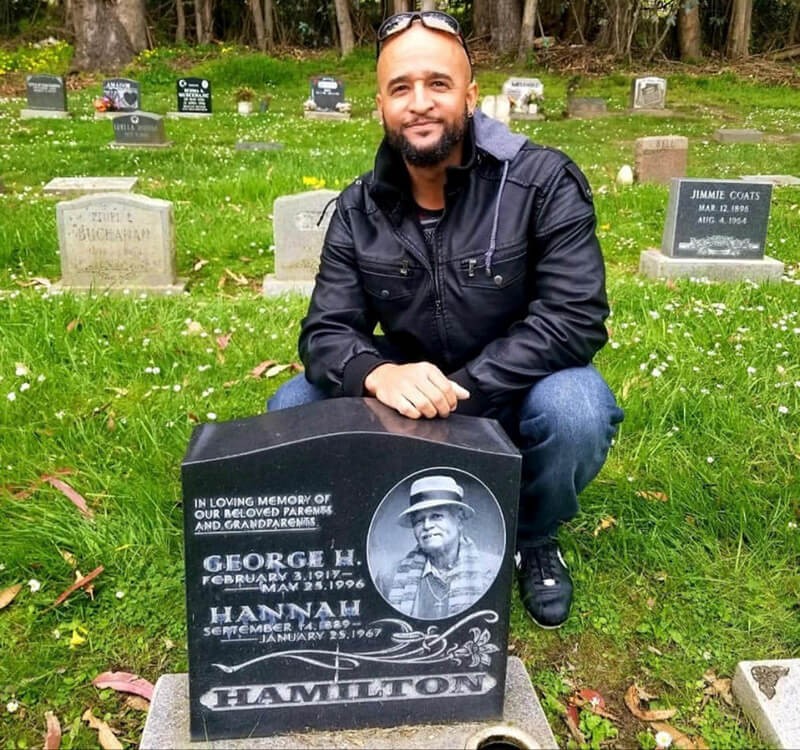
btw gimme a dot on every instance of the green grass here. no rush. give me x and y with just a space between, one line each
695 578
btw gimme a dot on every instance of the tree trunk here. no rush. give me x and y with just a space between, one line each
180 31
428 5
269 24
258 22
528 30
575 22
689 30
107 36
401 6
505 29
482 14
739 29
345 26
204 20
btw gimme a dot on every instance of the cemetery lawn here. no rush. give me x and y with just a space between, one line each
685 555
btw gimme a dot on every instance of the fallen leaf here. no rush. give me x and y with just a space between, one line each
52 739
574 729
604 524
8 595
224 340
237 277
199 264
70 493
275 370
137 703
124 682
261 368
595 703
653 495
73 324
593 697
104 733
78 585
718 687
679 739
634 696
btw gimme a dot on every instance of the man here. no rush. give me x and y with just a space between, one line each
446 573
475 251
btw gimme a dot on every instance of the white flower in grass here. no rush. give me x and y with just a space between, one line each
791 525
24 387
40 378
12 396
211 416
751 370
176 387
34 585
709 459
20 370
56 633
120 594
12 706
783 409
655 372
60 414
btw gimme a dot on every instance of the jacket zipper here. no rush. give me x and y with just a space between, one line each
438 308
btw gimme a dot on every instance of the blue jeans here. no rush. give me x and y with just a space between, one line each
563 428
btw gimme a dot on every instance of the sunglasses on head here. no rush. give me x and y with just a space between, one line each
430 19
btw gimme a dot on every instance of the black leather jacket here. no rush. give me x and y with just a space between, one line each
516 292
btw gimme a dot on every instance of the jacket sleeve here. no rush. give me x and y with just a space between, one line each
564 326
336 344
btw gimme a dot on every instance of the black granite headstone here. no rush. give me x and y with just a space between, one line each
724 219
123 93
46 92
194 96
139 129
327 92
307 604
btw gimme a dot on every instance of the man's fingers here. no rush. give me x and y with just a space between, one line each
445 387
461 392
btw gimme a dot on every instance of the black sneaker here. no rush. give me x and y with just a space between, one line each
545 587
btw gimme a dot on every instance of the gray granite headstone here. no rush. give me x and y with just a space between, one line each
738 135
714 229
47 97
300 222
769 694
139 129
649 93
113 241
123 93
75 186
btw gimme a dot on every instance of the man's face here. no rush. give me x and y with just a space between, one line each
436 529
424 95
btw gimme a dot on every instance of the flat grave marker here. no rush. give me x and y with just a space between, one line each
139 130
46 97
649 92
660 158
778 180
74 186
715 229
305 578
117 242
586 106
769 694
738 135
300 222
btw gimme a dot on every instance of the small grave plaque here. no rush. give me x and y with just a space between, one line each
75 186
649 93
738 135
117 241
306 600
716 219
300 222
140 129
47 97
327 93
194 96
123 94
769 694
660 158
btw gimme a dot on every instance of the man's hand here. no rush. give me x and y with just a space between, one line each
415 390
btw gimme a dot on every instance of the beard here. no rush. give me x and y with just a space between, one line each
436 153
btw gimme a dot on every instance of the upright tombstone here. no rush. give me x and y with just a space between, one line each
648 93
524 95
116 242
715 229
307 608
326 101
299 222
497 107
660 158
122 94
194 98
47 97
139 130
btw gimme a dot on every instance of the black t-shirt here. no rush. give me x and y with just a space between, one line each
428 220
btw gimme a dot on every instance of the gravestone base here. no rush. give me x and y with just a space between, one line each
109 115
188 115
274 287
655 265
75 186
779 180
733 135
769 693
45 114
166 290
167 724
318 114
166 144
